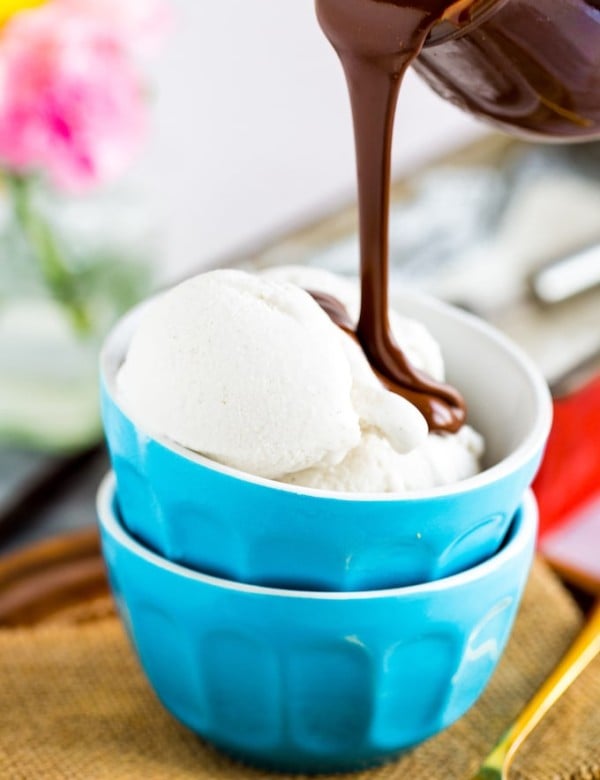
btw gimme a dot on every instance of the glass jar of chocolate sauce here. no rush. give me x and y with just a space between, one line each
531 67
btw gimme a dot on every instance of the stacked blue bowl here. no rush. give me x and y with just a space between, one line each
310 631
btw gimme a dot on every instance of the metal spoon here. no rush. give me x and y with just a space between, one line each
583 650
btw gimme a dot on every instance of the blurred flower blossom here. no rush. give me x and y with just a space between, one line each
142 23
72 114
10 7
71 88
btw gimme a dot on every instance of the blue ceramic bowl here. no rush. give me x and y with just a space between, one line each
308 681
224 522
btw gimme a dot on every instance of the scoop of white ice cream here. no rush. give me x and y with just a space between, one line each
442 459
251 372
412 337
377 464
373 466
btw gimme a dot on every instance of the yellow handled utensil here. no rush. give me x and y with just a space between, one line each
583 650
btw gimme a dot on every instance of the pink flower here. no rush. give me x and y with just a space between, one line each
142 23
71 95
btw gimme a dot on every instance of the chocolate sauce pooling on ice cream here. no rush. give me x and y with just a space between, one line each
418 388
376 41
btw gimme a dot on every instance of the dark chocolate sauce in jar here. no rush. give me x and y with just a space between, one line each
376 41
531 67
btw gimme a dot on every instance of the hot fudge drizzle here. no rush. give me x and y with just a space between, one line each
376 41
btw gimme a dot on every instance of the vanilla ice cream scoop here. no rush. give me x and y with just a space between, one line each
251 372
416 341
373 466
248 370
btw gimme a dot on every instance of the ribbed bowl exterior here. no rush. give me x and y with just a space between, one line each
315 682
212 521
220 521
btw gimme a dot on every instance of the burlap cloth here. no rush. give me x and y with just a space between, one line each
75 706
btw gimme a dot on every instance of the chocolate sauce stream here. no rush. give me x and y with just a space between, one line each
429 404
376 41
336 311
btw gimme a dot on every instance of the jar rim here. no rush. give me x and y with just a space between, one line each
447 30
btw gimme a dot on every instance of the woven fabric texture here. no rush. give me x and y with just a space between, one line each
74 705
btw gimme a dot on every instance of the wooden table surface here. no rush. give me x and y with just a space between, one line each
43 496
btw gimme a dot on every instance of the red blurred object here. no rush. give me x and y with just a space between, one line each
573 547
570 474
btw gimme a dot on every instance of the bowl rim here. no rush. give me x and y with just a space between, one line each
529 446
522 532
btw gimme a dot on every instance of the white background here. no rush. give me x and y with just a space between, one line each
251 129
